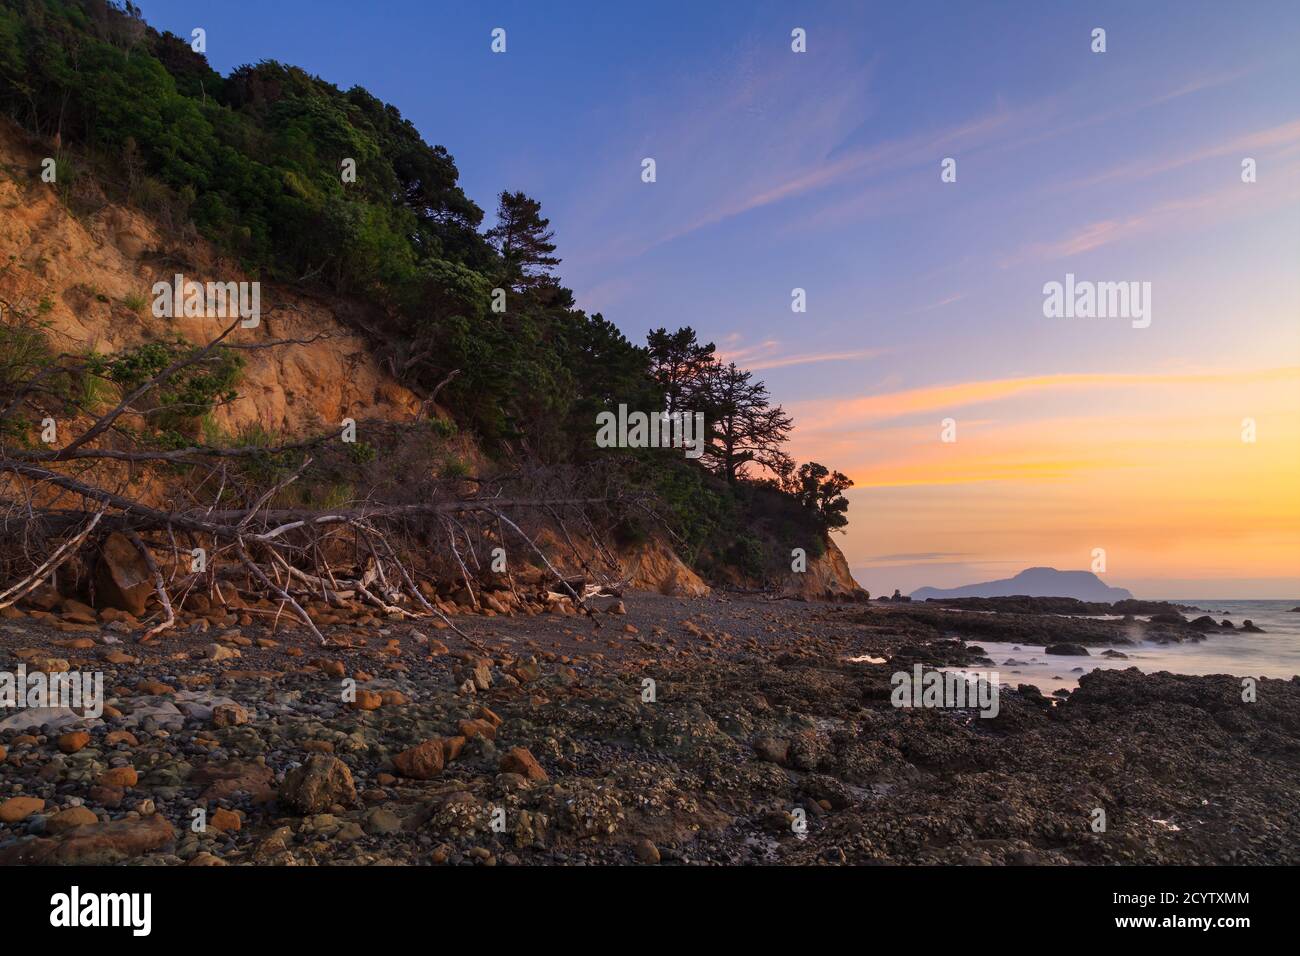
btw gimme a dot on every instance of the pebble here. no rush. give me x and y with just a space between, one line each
20 808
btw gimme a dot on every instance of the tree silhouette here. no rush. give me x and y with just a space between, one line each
522 237
744 426
682 366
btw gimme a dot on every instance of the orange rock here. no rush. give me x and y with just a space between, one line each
367 700
70 819
421 762
20 808
154 687
331 668
393 698
451 748
225 820
318 746
119 777
476 728
76 643
519 760
228 715
71 742
77 613
318 784
206 859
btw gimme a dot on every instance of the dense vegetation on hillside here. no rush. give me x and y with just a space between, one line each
257 162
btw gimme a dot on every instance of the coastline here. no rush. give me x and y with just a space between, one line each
759 719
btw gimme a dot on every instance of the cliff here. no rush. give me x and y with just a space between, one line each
91 278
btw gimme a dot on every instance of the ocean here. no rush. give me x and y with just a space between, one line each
1275 653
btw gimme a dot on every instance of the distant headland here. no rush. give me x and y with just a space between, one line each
1034 582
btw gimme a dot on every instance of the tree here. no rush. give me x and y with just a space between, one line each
821 491
522 238
681 365
743 425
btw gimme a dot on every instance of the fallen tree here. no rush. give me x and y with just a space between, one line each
215 532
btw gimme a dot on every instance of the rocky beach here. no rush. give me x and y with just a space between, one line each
654 730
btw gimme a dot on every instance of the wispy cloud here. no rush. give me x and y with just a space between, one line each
918 556
1196 211
835 414
1280 136
768 355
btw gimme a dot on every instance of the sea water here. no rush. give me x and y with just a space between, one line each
1275 653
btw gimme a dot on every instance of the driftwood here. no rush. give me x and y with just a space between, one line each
260 548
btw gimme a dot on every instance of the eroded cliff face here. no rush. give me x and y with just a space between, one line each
654 566
827 579
96 272
90 278
650 565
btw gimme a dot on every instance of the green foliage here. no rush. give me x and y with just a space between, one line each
454 468
748 553
360 453
444 428
821 492
24 354
254 162
699 507
178 404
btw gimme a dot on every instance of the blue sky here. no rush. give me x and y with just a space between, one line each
779 170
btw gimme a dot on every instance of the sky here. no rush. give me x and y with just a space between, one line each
1171 442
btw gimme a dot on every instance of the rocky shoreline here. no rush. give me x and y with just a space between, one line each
660 730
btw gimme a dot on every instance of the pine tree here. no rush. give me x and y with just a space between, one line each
522 237
743 425
681 365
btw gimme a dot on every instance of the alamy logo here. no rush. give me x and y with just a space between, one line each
73 909
184 298
940 689
654 430
1098 300
74 690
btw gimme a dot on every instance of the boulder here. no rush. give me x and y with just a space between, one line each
70 819
421 762
318 784
1069 650
772 750
122 579
228 715
16 809
519 760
